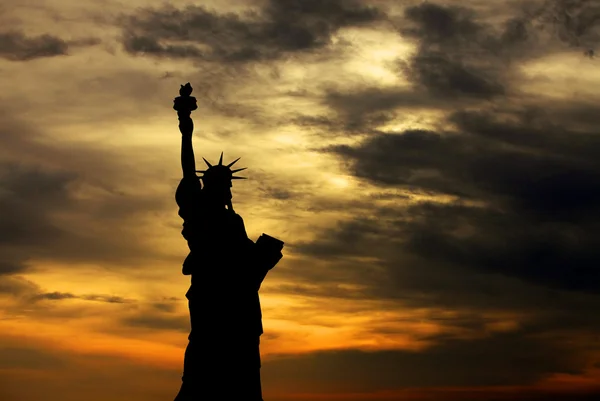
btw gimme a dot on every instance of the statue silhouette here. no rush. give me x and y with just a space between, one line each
222 359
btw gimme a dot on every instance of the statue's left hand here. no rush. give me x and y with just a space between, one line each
267 258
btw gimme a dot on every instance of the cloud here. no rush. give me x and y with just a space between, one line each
158 315
460 54
10 267
57 296
489 159
30 292
532 184
460 60
443 76
156 321
29 197
576 23
29 226
501 359
67 373
29 358
166 305
59 203
557 255
279 28
364 109
361 236
16 46
456 55
17 286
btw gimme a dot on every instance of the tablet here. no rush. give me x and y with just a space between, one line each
270 242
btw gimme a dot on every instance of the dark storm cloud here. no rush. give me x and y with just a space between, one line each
30 195
365 108
31 198
362 236
536 28
456 54
460 60
520 236
277 28
551 175
40 185
362 109
476 362
399 256
16 46
443 76
421 149
10 267
563 256
42 217
576 22
535 184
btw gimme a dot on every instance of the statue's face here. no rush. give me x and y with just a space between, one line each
218 192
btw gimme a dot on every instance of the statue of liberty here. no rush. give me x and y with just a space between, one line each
222 359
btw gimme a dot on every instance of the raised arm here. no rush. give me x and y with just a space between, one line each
184 104
188 161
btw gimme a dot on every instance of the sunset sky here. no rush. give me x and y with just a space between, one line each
432 166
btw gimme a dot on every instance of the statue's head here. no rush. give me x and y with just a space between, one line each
217 180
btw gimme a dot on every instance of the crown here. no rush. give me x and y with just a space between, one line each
220 172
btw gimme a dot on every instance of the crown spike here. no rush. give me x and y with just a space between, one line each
221 159
207 163
233 162
239 169
239 178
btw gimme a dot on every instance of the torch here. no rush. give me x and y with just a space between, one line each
184 104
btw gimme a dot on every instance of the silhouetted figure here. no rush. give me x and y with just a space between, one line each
222 359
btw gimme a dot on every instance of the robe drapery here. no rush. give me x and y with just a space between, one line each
226 271
223 262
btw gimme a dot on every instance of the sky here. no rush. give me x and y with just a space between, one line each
432 167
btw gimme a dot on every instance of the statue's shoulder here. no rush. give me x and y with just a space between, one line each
192 183
189 189
237 217
238 221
